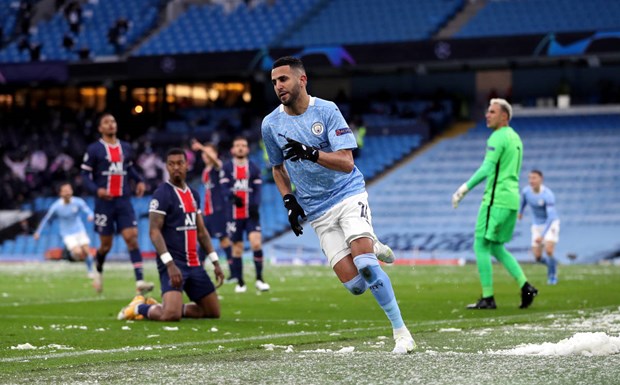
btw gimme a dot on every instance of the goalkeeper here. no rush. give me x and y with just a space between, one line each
498 212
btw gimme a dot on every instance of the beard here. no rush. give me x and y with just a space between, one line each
293 95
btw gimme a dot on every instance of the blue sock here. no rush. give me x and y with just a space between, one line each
551 266
237 270
258 263
381 287
543 260
89 263
136 261
144 309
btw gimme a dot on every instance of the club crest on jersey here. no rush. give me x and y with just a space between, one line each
153 205
317 128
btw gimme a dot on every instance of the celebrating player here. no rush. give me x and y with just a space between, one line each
214 211
498 212
546 226
175 227
241 183
310 136
67 209
109 162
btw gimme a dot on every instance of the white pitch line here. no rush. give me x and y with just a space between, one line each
185 344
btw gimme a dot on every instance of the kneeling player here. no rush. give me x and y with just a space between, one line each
175 227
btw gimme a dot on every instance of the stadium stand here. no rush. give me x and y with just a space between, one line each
522 17
97 18
369 21
209 28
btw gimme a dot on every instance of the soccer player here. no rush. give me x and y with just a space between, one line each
241 183
67 209
498 212
310 144
175 227
546 226
214 212
106 170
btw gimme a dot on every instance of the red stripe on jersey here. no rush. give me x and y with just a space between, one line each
242 172
191 235
114 186
208 207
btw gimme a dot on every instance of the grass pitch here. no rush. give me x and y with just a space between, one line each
307 330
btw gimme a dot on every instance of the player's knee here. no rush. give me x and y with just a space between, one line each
356 286
77 255
105 248
549 249
366 265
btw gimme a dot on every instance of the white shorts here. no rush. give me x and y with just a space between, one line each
345 222
75 240
553 234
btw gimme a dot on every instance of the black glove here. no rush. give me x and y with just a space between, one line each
295 151
294 212
254 213
237 201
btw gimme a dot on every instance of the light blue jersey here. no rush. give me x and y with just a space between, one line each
542 204
321 126
68 215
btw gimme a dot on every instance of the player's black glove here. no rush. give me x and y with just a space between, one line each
295 151
254 213
294 212
237 201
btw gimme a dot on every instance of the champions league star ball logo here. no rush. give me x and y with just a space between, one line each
153 205
317 128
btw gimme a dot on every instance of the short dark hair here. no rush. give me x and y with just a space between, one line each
100 118
537 172
63 183
241 137
289 61
176 151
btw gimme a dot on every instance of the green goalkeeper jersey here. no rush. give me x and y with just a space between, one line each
502 164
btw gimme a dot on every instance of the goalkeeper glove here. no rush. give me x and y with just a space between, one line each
236 200
459 194
295 151
294 212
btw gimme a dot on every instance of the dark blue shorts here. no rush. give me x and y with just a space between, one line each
216 224
196 282
114 215
237 227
